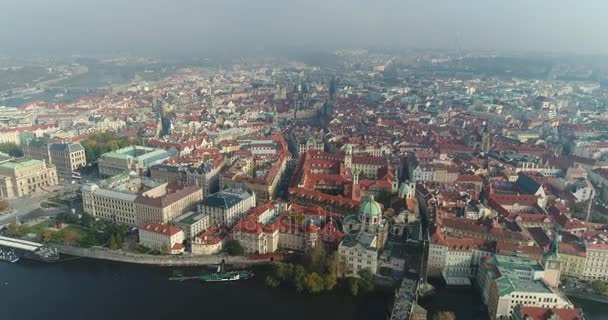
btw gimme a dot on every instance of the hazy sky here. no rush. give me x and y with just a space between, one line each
185 26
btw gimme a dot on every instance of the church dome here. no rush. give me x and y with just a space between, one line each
404 188
370 208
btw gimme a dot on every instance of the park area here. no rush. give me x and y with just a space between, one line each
71 229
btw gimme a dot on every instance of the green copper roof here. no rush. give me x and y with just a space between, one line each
504 286
404 188
21 163
370 208
553 252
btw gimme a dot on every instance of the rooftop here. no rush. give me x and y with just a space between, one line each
160 228
225 199
20 163
189 218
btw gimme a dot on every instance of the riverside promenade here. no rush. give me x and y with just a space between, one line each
159 260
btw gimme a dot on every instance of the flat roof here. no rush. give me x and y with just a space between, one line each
189 218
20 163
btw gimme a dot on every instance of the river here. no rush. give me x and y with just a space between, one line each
87 289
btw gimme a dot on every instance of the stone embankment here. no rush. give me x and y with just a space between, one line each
159 260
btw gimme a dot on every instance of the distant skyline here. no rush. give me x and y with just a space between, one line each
191 26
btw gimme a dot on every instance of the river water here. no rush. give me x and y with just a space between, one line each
90 290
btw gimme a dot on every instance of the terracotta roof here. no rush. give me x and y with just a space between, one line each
538 313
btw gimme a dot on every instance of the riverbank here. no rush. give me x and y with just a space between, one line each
98 253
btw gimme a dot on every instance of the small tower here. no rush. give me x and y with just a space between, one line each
311 236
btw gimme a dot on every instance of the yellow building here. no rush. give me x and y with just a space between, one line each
132 200
25 176
572 259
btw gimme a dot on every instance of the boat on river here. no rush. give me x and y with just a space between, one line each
7 255
227 276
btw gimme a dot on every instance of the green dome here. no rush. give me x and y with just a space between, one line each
370 208
404 188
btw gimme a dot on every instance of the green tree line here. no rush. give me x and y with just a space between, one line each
317 272
100 143
11 149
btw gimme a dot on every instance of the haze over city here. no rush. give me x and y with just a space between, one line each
190 26
320 159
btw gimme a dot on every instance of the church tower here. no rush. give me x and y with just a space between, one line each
395 182
486 139
407 190
552 263
348 156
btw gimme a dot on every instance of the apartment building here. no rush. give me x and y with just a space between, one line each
227 207
166 202
133 200
67 158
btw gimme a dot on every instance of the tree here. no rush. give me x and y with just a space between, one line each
367 280
353 286
11 149
331 263
234 248
283 271
271 281
384 197
444 315
48 235
299 273
329 281
86 220
313 283
113 145
119 232
599 286
314 259
114 245
15 229
4 204
70 237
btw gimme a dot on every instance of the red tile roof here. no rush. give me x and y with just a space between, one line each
160 228
538 313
